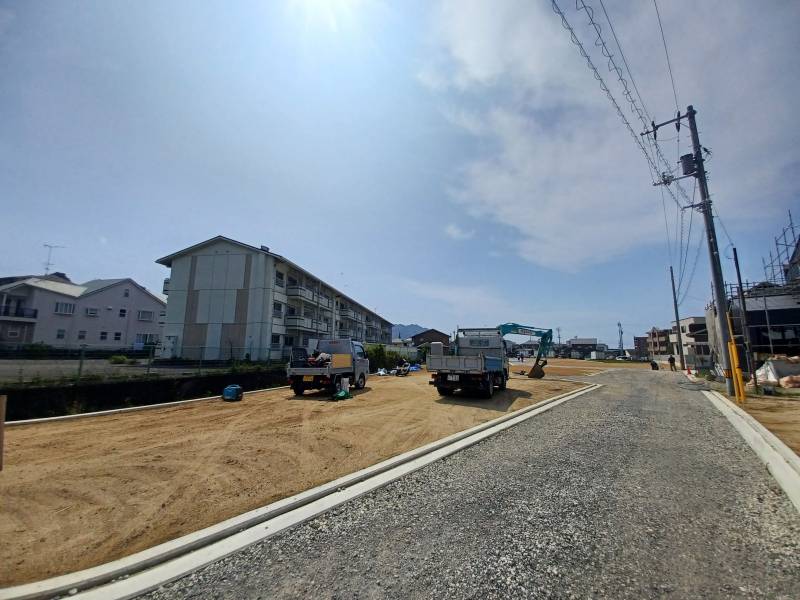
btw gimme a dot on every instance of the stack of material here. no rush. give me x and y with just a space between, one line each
780 371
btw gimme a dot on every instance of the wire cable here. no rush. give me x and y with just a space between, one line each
614 68
624 60
666 52
574 38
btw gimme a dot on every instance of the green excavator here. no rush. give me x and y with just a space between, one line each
545 343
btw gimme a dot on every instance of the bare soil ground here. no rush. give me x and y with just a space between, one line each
781 417
81 492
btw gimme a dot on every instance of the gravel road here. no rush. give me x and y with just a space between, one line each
638 490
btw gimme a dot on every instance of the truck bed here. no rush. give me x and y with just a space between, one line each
464 364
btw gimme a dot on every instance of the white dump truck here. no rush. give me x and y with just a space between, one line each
348 359
479 362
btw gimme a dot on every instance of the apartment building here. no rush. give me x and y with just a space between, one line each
227 299
658 342
694 337
102 313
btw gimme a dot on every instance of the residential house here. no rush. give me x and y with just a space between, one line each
102 313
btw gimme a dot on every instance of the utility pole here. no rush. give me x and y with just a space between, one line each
621 344
693 166
720 300
677 320
751 361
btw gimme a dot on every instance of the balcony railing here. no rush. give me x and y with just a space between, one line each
298 291
306 323
20 312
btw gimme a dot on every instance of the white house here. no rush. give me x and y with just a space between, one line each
102 313
226 299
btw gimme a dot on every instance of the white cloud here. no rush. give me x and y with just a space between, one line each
555 164
454 232
476 304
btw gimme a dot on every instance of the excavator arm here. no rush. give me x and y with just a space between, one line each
545 343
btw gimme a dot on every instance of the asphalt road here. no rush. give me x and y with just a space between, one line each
638 490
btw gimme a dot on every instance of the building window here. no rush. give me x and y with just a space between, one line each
81 335
117 336
12 334
276 341
146 338
277 309
103 335
291 311
92 312
292 281
146 315
289 340
64 308
126 293
60 334
279 279
123 312
306 340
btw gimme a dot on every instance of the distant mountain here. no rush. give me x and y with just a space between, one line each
406 331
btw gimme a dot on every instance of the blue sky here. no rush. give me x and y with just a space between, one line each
447 163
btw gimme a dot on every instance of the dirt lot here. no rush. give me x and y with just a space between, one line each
82 492
569 366
781 417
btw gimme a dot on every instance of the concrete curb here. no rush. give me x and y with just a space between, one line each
781 462
146 570
115 411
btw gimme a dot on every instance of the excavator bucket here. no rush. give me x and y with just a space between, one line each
537 370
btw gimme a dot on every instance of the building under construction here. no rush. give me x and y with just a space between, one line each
772 306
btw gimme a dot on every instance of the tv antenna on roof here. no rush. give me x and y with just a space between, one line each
49 262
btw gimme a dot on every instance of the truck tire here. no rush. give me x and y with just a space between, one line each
503 381
445 391
298 390
361 382
489 391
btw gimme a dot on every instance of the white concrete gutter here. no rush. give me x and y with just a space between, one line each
782 463
133 575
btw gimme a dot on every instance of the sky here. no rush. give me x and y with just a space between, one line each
448 163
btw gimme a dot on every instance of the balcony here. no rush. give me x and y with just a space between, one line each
18 312
306 324
298 291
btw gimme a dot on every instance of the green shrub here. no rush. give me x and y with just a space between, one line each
118 359
132 361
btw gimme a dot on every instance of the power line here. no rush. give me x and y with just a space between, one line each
666 52
613 67
694 267
612 99
624 61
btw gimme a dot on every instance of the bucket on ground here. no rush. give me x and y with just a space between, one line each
232 393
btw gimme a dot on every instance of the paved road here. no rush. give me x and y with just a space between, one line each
641 489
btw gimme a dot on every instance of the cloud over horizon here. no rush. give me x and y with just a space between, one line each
555 164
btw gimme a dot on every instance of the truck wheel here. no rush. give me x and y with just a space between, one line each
489 387
361 382
443 391
503 381
298 390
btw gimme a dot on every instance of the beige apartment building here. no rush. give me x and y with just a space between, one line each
227 299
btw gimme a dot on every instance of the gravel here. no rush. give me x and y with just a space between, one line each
638 490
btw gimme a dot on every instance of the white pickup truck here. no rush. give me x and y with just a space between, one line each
348 359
